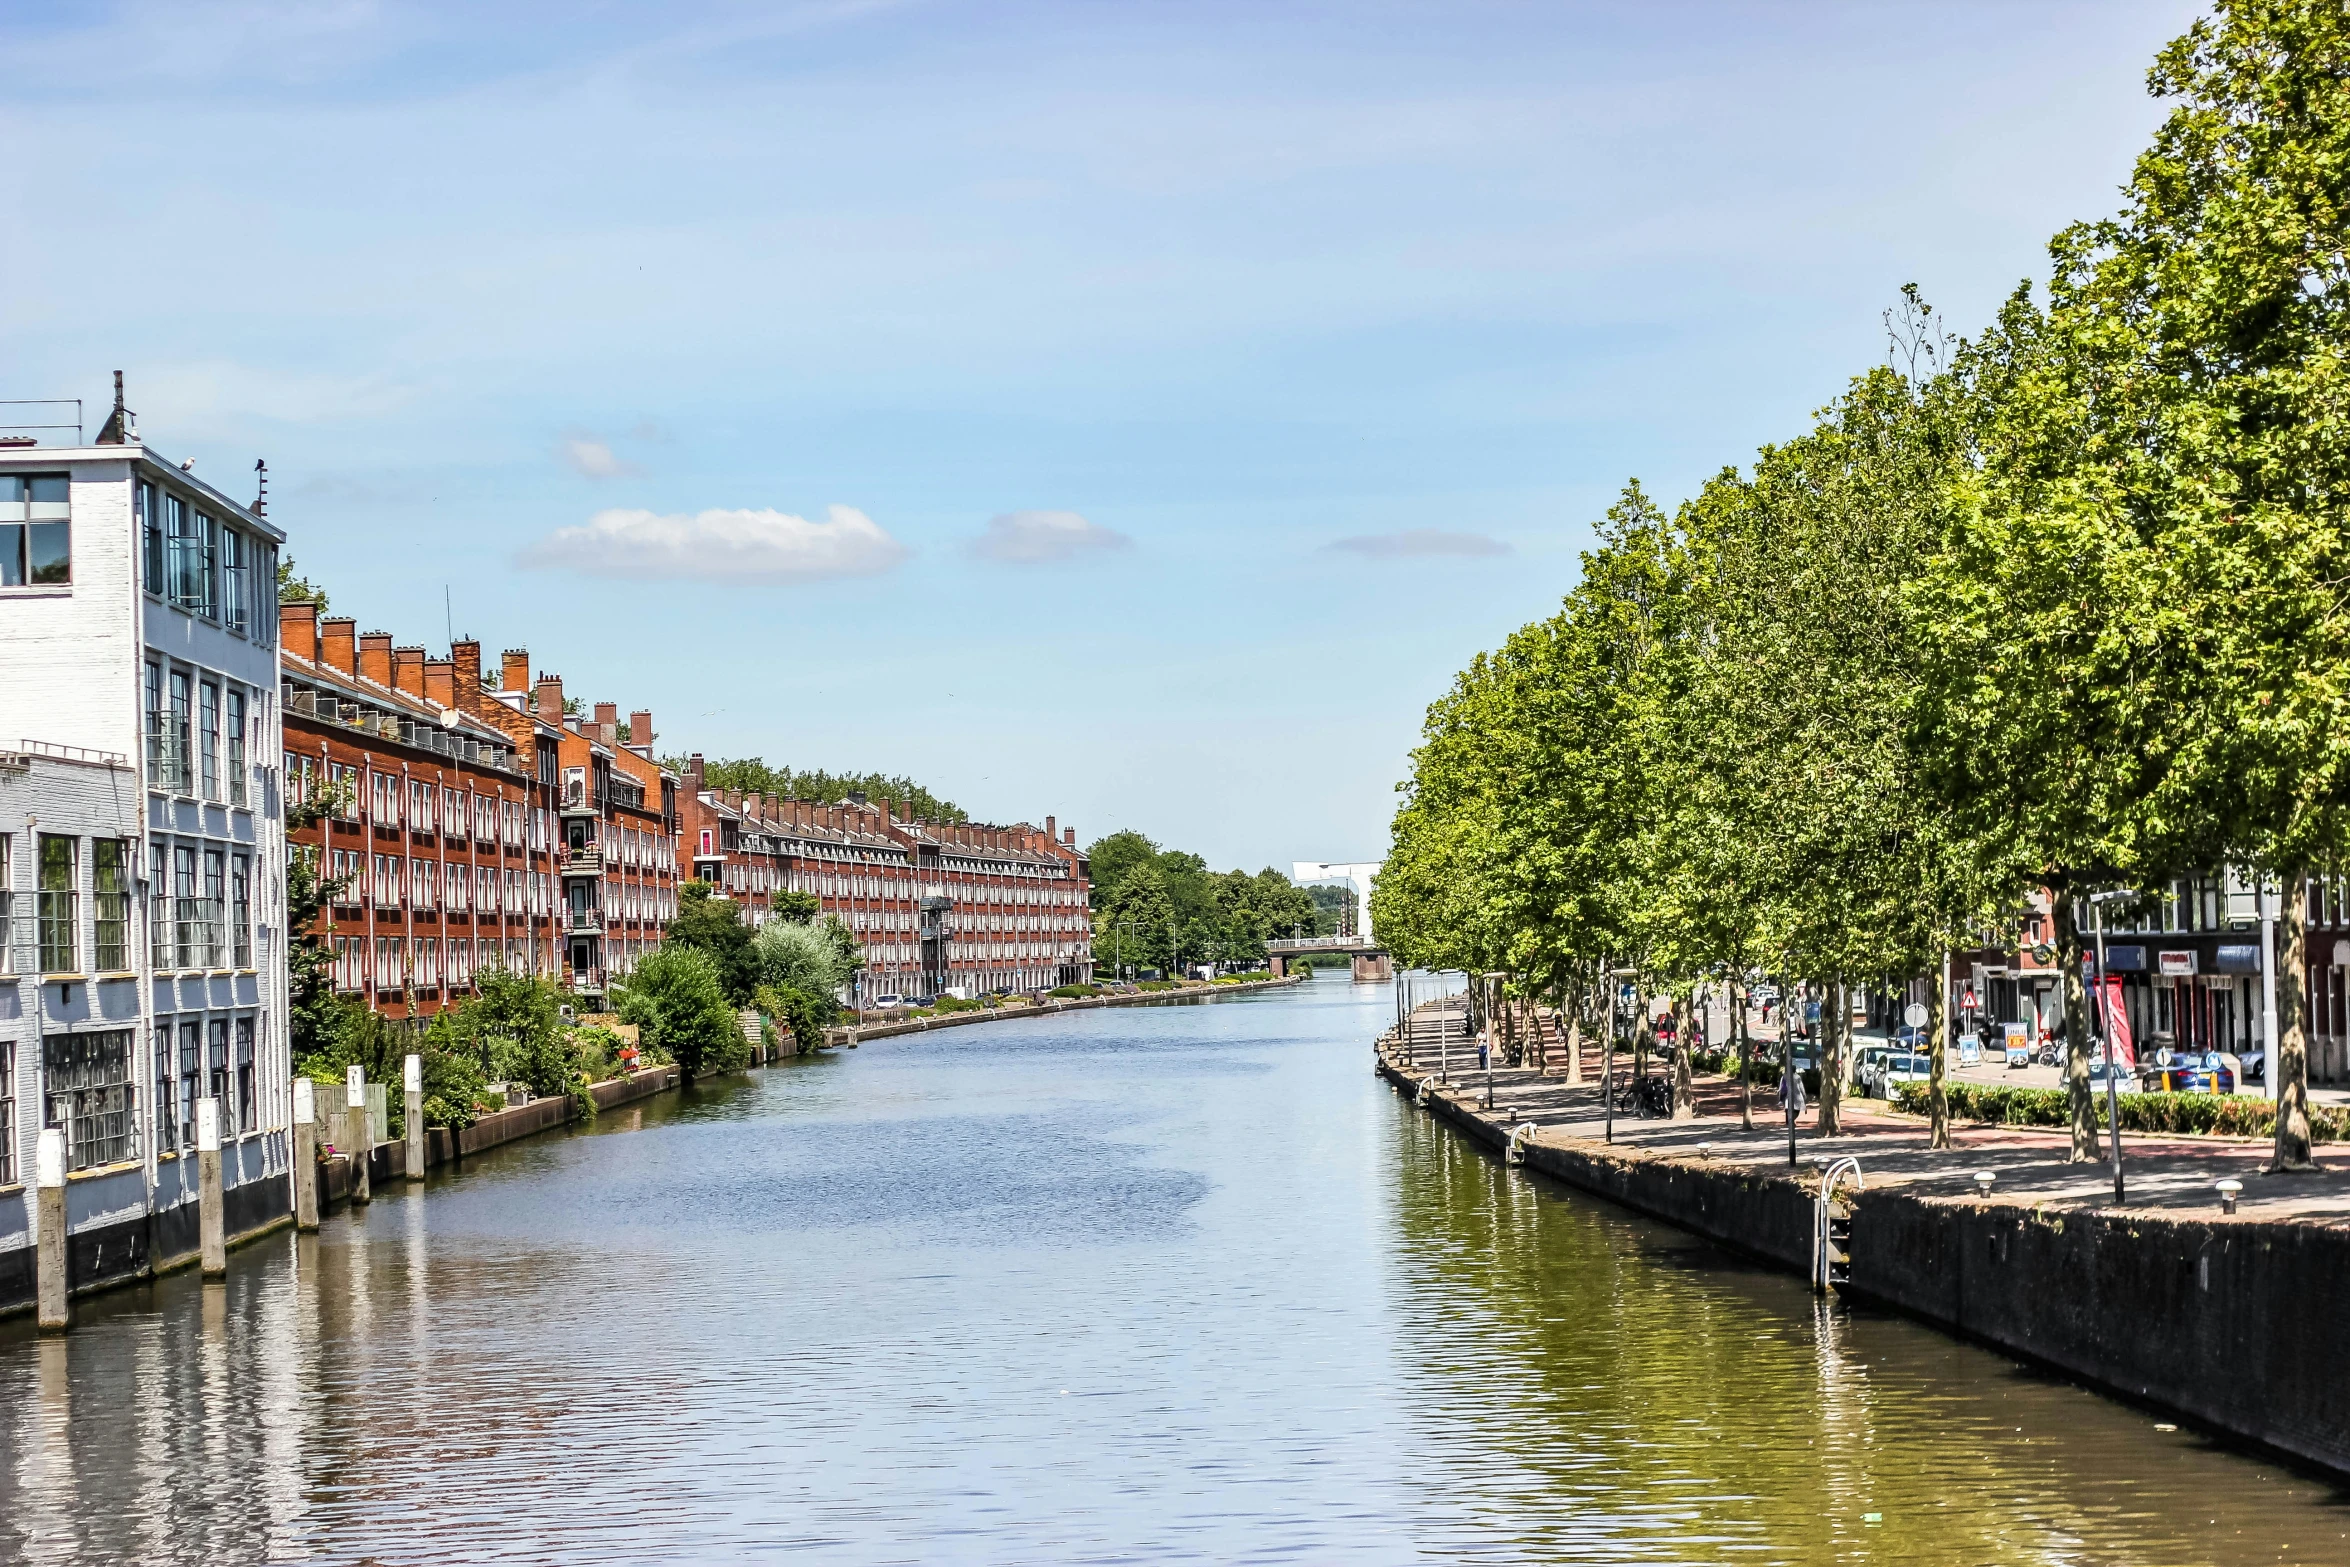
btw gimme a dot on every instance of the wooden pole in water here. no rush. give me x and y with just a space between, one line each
211 1220
51 1286
413 1082
355 1117
305 1154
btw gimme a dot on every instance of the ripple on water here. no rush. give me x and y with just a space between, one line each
1169 1284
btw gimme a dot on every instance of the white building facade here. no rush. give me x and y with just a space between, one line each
141 814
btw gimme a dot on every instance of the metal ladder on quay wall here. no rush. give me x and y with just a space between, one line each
1831 1230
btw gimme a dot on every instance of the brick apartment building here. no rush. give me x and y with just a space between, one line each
458 839
938 906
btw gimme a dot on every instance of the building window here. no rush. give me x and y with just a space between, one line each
215 912
182 722
166 1124
264 593
188 936
149 502
236 748
35 542
191 1070
235 590
240 911
110 874
7 1112
246 1118
89 1096
207 567
160 909
217 1080
58 913
208 739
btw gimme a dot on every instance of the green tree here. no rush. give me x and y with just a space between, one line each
1135 925
313 1012
752 774
714 926
798 908
677 1000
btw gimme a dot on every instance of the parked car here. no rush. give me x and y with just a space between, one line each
1764 994
884 1003
1902 1066
2190 1073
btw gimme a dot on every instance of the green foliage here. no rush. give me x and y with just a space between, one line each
292 589
714 927
800 908
354 1034
2208 1115
677 999
314 1009
1171 904
804 1012
1075 992
752 774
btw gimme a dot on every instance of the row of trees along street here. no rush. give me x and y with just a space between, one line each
1160 908
2065 604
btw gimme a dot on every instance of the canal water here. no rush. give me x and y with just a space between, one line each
1157 1284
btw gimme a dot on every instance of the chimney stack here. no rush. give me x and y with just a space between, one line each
640 728
298 630
440 682
550 698
1069 836
465 667
408 670
375 657
338 643
514 670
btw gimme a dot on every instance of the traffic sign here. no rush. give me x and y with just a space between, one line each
1914 1014
1967 1001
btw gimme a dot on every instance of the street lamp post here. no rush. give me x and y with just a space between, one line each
1607 1076
2113 1101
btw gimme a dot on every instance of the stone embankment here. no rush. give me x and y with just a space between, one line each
2232 1321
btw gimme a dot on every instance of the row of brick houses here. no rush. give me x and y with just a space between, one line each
478 822
939 906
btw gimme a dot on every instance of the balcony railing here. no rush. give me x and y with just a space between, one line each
588 920
584 862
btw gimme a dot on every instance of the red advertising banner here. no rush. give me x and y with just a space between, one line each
2117 1023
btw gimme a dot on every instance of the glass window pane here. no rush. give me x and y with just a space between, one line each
11 554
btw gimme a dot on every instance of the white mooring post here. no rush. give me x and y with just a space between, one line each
355 1118
305 1154
55 1303
414 1084
210 1217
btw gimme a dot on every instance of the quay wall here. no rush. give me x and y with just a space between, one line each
1058 1004
2233 1324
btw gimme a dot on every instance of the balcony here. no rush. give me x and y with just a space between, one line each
584 862
585 922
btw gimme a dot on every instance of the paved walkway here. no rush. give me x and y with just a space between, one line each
2162 1174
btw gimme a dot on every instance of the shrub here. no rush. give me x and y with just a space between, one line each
1078 992
676 998
805 1015
2207 1115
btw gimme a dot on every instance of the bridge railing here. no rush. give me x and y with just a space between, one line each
1302 943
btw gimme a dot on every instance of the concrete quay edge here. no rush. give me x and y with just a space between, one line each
2231 1324
1059 1005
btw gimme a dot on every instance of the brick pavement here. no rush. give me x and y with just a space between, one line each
2166 1174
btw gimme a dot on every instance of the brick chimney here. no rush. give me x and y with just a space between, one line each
640 728
440 682
298 630
338 644
607 713
465 677
734 799
514 670
693 774
1069 836
1050 832
375 657
408 670
550 698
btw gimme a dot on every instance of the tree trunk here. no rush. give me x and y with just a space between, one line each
2288 1071
1738 1005
1832 1058
1684 1045
1643 1033
1575 1038
2088 1145
1937 1096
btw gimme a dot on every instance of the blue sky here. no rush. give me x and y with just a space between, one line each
1130 412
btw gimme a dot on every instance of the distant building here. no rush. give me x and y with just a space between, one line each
937 906
140 847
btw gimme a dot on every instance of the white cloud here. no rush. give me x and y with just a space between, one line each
593 458
1035 538
1419 543
740 545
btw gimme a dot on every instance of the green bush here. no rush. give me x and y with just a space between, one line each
1078 992
958 1004
678 1002
1245 979
2207 1115
805 1015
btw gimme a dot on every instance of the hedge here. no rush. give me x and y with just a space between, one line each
2218 1115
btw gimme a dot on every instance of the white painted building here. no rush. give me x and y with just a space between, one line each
138 629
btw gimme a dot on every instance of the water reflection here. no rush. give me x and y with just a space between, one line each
1175 1284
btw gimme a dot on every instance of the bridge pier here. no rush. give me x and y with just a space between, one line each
1373 968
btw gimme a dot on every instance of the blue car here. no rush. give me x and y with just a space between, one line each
2192 1074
